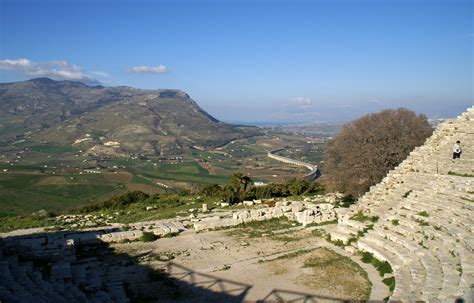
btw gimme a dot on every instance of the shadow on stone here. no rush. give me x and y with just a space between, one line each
75 266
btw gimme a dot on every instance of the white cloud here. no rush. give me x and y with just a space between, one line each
160 69
300 102
15 64
57 70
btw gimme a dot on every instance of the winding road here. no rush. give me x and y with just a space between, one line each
311 176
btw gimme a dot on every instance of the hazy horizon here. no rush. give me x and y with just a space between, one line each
254 62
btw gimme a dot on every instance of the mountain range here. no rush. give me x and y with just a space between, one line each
111 120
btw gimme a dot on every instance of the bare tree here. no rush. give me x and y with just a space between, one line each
362 153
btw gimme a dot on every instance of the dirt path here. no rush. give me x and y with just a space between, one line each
260 268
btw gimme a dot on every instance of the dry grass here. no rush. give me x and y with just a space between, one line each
326 272
121 176
53 180
337 273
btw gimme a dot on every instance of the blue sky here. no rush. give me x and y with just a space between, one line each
254 61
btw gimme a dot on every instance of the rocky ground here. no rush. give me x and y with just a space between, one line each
260 250
294 264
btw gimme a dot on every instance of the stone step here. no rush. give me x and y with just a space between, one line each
402 276
342 233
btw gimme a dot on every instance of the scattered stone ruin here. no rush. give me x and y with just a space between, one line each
425 224
46 268
52 267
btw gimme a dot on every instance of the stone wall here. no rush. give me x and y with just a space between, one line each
301 212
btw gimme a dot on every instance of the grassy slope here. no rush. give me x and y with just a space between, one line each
21 192
25 188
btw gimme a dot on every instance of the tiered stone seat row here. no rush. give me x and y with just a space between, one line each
425 220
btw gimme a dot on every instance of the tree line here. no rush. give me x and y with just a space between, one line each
241 188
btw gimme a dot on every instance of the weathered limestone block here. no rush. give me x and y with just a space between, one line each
5 274
290 215
297 207
326 206
126 235
172 228
255 214
286 208
79 274
33 243
61 270
179 225
86 238
330 199
213 218
248 203
277 212
117 292
318 219
282 203
203 225
305 217
244 215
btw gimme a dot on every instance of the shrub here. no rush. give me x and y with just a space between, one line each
347 201
423 214
366 149
117 201
296 187
367 257
421 222
211 190
148 237
390 282
383 267
359 216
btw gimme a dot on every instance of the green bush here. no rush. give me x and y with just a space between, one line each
347 201
423 214
116 201
383 267
367 257
148 237
211 190
390 282
362 218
